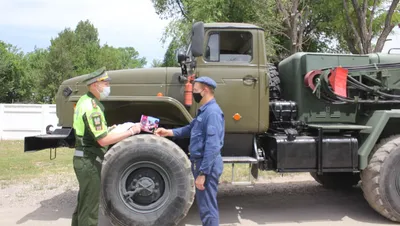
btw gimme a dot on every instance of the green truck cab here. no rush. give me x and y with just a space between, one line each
333 115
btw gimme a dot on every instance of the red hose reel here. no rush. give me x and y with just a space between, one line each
309 78
337 80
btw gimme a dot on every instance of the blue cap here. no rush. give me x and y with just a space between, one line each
206 80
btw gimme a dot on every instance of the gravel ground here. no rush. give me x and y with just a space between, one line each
35 192
289 200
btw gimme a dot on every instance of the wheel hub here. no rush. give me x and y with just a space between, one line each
144 187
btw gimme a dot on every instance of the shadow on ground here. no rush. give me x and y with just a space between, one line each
297 202
59 206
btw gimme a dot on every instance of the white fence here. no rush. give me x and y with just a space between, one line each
20 120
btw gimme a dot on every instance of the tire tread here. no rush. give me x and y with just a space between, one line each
180 155
370 176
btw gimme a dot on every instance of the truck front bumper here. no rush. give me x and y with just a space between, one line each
63 137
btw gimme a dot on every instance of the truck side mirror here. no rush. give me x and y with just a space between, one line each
197 39
181 57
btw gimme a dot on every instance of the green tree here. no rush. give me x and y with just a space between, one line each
340 26
86 47
120 58
77 52
358 27
37 62
61 65
170 59
368 20
184 12
109 57
129 58
15 83
156 63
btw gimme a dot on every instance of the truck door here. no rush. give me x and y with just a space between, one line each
231 59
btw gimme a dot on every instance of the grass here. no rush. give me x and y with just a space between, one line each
241 173
15 165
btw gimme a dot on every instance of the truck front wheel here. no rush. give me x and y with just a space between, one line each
381 179
146 180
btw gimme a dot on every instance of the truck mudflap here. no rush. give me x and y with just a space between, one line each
63 137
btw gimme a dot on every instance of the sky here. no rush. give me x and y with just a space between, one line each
394 42
120 23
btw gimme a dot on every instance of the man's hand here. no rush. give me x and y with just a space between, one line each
163 132
135 128
200 182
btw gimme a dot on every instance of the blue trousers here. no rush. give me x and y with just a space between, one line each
207 199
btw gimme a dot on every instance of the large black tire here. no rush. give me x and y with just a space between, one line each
333 180
157 166
274 83
380 181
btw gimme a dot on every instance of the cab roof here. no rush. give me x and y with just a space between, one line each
232 25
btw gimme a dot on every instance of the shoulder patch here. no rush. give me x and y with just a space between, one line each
96 119
94 103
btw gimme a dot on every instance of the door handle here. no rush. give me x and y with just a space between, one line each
249 79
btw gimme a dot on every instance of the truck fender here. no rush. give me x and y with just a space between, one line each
139 105
130 108
377 123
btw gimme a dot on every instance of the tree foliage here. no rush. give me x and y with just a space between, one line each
340 26
36 76
156 63
361 26
13 77
183 12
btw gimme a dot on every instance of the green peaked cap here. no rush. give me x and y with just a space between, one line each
97 76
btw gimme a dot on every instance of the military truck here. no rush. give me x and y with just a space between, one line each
335 116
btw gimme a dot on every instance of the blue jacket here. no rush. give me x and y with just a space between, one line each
207 131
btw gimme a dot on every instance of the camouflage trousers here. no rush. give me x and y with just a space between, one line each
87 171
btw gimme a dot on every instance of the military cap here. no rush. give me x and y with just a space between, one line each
97 76
206 80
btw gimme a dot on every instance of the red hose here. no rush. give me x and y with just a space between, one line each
309 78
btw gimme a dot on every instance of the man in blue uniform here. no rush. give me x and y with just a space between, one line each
206 133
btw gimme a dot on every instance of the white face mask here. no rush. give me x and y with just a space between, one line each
106 92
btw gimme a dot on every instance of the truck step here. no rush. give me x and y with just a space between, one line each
242 183
240 160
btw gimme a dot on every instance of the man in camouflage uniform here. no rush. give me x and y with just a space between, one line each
92 140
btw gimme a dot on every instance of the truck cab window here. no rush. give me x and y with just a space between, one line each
212 49
229 46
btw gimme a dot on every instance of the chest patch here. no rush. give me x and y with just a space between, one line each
96 119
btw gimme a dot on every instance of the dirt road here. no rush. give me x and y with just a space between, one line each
277 202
